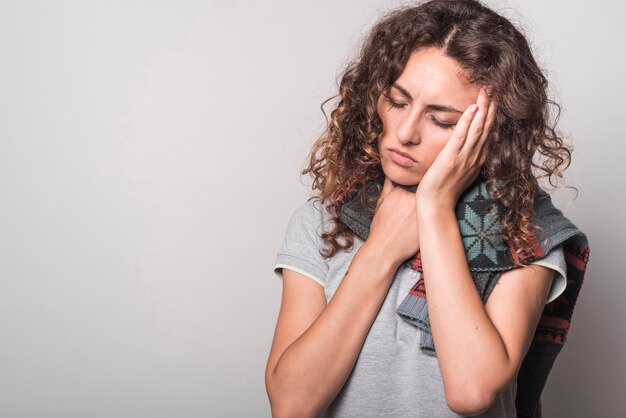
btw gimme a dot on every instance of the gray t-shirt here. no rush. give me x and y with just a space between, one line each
392 377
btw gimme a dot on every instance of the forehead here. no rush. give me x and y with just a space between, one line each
430 75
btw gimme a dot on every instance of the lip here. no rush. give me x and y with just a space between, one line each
401 158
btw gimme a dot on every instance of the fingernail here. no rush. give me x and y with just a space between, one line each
473 108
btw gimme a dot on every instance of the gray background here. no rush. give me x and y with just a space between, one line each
150 158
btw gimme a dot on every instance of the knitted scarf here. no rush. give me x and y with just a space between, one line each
488 256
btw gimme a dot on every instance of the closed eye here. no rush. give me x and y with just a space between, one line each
394 104
442 125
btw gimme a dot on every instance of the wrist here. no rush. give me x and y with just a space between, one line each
379 256
429 209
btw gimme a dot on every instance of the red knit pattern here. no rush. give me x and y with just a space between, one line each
535 252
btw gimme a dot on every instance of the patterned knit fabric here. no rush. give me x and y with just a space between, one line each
488 256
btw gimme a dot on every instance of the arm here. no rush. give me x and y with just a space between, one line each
479 347
316 345
496 336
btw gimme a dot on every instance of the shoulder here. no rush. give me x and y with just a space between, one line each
313 209
302 243
310 218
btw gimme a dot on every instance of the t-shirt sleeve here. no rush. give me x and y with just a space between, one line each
555 260
300 250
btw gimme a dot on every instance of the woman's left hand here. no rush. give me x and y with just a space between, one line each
461 159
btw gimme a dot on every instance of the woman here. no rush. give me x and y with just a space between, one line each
444 98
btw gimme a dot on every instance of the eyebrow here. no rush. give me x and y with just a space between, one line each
436 107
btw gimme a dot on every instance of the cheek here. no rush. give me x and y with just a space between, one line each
439 135
441 138
429 152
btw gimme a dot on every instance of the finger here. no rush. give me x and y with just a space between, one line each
458 137
483 158
387 187
477 127
491 116
482 146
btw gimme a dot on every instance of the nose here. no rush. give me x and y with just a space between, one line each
408 129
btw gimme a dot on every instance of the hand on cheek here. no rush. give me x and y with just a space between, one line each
460 160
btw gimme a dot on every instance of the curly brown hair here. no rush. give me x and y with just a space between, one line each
524 143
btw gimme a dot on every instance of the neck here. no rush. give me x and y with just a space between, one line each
409 188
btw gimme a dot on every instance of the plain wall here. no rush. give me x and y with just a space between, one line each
149 163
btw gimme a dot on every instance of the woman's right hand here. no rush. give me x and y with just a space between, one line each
394 226
317 342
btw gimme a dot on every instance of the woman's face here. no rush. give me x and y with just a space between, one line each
419 113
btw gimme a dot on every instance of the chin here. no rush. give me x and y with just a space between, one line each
402 177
